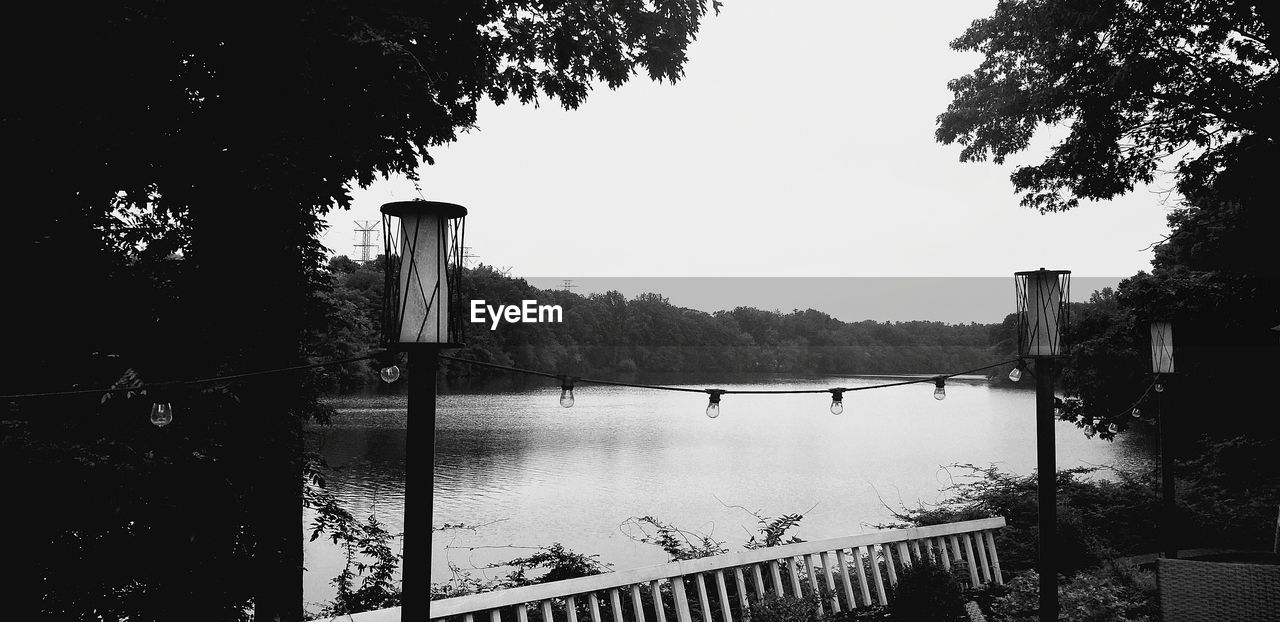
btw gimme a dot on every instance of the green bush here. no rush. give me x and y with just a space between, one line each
784 609
1098 596
1097 519
926 592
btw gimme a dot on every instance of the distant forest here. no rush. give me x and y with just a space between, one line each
605 335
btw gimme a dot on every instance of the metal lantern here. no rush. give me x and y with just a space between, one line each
422 302
1042 311
1162 347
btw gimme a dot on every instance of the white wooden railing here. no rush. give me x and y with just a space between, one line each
845 573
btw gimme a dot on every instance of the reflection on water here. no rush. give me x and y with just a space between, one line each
531 473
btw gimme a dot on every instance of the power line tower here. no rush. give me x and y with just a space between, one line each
467 256
366 241
568 285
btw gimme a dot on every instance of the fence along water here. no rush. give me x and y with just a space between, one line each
844 573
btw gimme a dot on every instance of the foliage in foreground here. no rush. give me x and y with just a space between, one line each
1101 595
1227 496
1097 519
784 609
926 592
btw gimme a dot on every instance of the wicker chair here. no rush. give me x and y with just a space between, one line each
1196 591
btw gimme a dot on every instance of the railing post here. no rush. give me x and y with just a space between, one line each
881 597
682 600
615 603
703 602
637 605
658 607
742 589
995 559
726 614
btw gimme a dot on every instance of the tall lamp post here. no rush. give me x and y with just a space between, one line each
1162 366
1042 318
422 315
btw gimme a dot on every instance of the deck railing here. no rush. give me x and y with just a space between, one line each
843 573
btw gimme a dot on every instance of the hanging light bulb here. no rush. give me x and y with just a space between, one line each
566 391
1159 387
940 388
713 404
837 401
1136 413
161 414
1089 430
390 374
1113 428
1016 374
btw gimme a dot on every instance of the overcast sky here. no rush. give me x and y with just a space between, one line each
800 143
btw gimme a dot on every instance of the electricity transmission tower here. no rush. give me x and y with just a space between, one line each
467 256
568 285
366 241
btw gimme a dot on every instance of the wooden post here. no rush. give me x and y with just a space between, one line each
1047 474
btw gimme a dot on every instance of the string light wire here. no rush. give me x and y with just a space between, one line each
531 372
658 387
197 381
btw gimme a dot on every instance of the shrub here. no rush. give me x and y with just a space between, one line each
926 592
1089 597
1097 519
784 609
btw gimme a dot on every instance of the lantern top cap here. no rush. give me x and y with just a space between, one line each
400 208
1041 270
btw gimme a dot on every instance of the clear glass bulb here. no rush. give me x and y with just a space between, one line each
1159 388
1089 430
1016 374
566 397
390 374
713 410
1113 428
837 407
940 393
1136 413
161 414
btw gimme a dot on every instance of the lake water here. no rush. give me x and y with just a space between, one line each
528 472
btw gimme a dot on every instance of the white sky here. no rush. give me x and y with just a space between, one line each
800 143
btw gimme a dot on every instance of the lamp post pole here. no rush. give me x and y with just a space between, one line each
419 511
1043 298
1167 505
1162 365
1047 487
422 315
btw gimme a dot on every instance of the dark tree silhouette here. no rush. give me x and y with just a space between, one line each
1136 83
224 132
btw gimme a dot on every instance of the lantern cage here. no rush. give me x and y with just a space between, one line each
422 300
1161 347
1043 299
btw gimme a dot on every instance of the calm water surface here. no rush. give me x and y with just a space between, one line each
529 472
